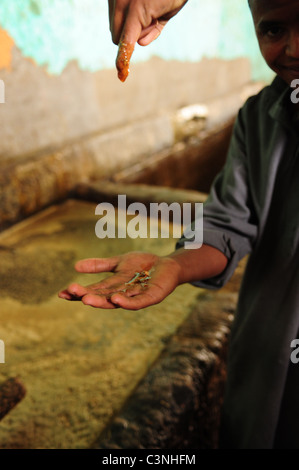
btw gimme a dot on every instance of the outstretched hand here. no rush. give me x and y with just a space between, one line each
139 280
138 21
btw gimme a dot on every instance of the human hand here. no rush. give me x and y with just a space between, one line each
125 289
138 21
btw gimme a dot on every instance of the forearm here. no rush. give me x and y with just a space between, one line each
196 265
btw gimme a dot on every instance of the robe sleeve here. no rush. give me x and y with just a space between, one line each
229 219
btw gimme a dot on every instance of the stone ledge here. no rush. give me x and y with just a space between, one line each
144 151
31 184
189 165
178 404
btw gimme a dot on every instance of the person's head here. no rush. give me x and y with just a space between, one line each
277 28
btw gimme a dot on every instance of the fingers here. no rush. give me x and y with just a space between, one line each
88 296
76 291
131 298
132 33
117 14
124 55
111 15
150 296
65 294
118 300
105 288
109 298
98 301
136 302
140 22
99 294
90 265
127 39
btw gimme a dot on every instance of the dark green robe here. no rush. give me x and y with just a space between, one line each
253 208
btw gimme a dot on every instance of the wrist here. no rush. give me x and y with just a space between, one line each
198 264
178 264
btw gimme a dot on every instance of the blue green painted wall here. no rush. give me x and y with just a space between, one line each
55 32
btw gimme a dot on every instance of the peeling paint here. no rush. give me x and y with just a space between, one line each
6 45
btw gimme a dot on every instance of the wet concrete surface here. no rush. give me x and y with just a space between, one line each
79 365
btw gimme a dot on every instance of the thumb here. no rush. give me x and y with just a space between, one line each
97 265
151 33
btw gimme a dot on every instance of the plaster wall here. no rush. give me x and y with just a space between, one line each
60 86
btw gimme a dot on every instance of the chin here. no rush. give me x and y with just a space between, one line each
288 75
